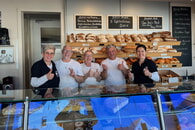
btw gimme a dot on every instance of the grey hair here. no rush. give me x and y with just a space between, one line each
48 47
109 46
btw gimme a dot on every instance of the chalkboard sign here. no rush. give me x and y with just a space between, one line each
181 29
119 22
88 21
150 22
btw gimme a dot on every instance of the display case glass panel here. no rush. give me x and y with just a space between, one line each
179 110
116 112
12 115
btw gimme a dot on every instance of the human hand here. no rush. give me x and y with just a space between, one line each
50 75
105 67
89 73
72 73
130 75
147 72
96 74
121 66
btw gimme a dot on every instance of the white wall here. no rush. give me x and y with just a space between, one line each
12 19
11 12
126 7
115 7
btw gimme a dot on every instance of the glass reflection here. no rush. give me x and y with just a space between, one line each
179 109
12 116
134 112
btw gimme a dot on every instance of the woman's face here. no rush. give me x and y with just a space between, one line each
141 53
48 55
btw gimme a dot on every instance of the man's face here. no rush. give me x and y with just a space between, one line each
67 53
112 52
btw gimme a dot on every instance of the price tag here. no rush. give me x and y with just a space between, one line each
123 44
85 44
155 43
131 55
165 83
101 44
164 54
78 56
165 66
173 80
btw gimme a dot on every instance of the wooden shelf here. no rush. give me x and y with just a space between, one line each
99 44
169 65
157 54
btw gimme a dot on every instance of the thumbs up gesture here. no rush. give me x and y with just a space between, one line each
147 72
96 74
72 73
50 75
121 66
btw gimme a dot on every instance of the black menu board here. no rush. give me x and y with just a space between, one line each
88 21
120 22
181 29
150 22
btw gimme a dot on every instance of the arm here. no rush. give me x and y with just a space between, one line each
104 73
36 82
123 68
155 76
78 78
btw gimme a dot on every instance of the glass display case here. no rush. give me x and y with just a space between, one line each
131 107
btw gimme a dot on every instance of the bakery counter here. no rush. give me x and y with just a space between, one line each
147 106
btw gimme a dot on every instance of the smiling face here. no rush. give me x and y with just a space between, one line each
112 52
48 55
88 57
141 53
67 53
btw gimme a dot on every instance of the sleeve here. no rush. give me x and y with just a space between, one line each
155 76
36 82
125 64
36 78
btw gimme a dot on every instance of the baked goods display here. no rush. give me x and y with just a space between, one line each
160 49
90 37
167 61
159 46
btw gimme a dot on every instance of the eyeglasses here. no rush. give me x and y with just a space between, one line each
47 53
68 51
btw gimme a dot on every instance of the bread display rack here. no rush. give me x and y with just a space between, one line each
126 55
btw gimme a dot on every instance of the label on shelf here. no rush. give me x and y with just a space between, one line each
165 66
101 44
155 43
165 83
86 44
130 55
123 44
173 80
164 54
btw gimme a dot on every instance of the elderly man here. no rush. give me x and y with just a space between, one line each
70 71
114 68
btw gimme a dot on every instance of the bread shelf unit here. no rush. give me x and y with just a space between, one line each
125 55
101 44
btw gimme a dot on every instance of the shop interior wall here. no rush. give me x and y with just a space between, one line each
123 7
12 19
